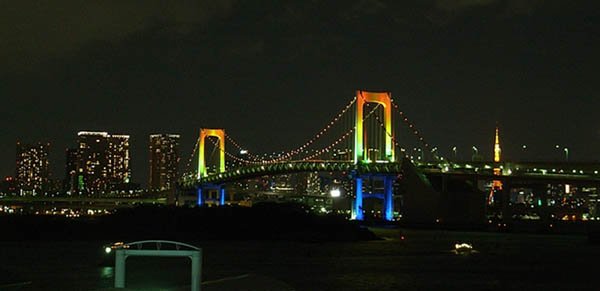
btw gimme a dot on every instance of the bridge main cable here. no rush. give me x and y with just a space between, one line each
291 153
342 138
240 148
410 126
317 136
189 162
318 153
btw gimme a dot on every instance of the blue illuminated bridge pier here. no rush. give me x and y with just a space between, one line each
370 139
387 172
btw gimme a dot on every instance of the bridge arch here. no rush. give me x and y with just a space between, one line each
360 140
204 133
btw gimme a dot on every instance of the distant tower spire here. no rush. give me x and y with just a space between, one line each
497 149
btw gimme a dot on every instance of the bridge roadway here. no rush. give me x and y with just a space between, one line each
524 179
513 172
295 167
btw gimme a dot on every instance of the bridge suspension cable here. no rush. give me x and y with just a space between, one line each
189 162
413 129
316 154
329 147
291 153
409 124
390 135
240 148
300 149
342 138
234 156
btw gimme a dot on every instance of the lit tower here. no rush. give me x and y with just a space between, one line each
361 155
360 138
496 184
497 149
203 188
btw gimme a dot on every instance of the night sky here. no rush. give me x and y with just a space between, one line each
274 72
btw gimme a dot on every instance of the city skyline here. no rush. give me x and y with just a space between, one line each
472 153
102 161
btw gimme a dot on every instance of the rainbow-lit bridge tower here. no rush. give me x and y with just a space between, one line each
204 188
361 156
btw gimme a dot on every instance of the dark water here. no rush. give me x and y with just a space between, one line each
422 261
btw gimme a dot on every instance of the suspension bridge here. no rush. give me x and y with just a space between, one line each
362 141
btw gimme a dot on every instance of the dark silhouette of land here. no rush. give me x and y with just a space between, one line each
264 221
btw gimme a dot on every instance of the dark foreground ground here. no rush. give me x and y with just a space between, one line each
423 261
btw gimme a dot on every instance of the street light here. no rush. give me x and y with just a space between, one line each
475 156
557 147
454 150
566 154
335 192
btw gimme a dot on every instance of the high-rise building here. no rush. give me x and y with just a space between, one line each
70 181
164 159
32 168
119 171
313 184
102 161
92 161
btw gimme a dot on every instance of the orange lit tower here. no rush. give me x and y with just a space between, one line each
496 184
360 140
497 149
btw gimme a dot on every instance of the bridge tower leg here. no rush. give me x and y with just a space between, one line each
200 197
388 202
360 135
358 201
221 195
204 133
204 191
387 196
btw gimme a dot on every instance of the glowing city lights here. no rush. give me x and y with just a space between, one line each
335 192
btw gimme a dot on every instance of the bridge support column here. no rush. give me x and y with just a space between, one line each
204 194
200 197
387 196
221 195
358 201
388 199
